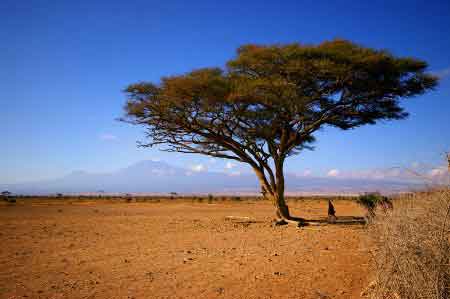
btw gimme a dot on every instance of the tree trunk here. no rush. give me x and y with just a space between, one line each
282 211
281 208
275 193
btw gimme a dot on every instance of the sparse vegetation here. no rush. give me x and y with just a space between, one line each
413 241
7 196
271 100
6 193
371 201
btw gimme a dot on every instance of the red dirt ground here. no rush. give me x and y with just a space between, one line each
177 249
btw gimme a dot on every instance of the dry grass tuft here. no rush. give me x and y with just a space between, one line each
413 248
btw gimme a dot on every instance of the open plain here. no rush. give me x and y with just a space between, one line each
177 249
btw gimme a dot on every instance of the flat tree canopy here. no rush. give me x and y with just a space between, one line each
270 99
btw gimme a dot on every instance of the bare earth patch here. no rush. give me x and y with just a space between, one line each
177 249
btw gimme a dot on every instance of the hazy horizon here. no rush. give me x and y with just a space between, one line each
159 177
66 64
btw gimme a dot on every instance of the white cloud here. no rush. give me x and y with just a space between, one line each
333 173
235 173
372 173
230 165
307 172
416 172
108 137
437 172
440 175
198 167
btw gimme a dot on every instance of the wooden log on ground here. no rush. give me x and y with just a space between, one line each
343 220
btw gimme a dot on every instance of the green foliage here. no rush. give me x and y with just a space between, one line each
6 193
371 201
270 100
7 196
268 92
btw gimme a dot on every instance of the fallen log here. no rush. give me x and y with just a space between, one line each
343 220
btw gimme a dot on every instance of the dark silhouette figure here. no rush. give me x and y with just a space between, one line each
270 100
331 212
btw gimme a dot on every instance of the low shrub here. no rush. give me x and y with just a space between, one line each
371 201
412 259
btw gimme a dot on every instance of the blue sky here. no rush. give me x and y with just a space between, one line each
64 65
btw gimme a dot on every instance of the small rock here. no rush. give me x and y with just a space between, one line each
322 295
220 290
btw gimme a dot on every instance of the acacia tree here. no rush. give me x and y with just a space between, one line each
269 101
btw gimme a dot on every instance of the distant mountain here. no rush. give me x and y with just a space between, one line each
160 177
